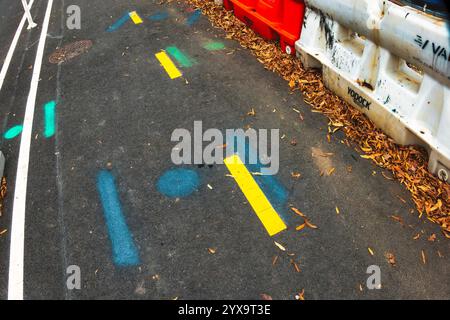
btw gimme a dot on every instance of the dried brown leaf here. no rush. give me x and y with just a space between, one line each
280 246
265 296
310 225
298 212
390 258
424 259
274 260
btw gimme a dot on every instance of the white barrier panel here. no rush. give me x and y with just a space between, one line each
420 39
411 106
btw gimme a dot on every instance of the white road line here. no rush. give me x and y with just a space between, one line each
12 48
31 23
16 257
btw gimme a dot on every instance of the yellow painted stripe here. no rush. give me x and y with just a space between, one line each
260 204
135 17
168 65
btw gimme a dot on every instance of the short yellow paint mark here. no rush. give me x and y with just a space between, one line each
255 196
135 17
168 65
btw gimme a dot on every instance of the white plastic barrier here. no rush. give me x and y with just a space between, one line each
390 62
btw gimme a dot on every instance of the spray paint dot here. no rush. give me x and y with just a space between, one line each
176 183
13 132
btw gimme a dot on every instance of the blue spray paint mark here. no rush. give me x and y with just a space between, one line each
176 183
124 250
273 189
13 132
159 16
49 119
193 17
119 22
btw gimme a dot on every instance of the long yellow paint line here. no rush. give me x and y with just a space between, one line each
135 17
168 65
255 196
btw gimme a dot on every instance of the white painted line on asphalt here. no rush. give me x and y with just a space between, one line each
12 47
31 23
16 257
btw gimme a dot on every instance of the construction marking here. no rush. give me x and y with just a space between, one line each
182 58
116 25
49 119
135 17
178 183
12 47
125 252
257 199
16 255
193 17
168 65
214 46
159 16
13 132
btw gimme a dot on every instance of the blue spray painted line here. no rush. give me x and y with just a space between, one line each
49 119
193 17
125 252
273 189
116 25
13 132
159 16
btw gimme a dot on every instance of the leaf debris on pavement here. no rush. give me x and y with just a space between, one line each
295 175
298 212
265 296
391 258
310 225
407 164
3 190
296 267
280 246
301 295
274 260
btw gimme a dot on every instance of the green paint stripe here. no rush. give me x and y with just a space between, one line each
213 46
182 59
49 119
13 132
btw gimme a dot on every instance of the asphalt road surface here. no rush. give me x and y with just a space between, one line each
97 194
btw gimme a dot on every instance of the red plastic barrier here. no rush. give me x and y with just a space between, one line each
272 19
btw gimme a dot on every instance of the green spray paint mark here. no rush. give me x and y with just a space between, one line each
214 46
49 119
13 132
182 59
